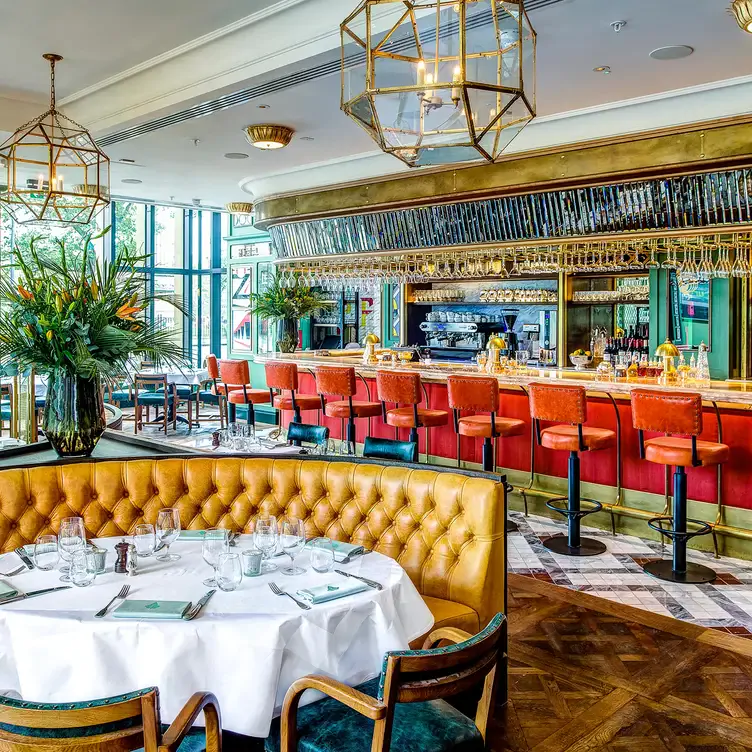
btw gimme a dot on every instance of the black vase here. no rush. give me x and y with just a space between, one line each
74 416
287 335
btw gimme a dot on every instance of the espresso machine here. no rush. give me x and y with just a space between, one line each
456 340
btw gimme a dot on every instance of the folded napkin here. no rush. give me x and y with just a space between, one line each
192 535
343 550
7 591
332 591
133 609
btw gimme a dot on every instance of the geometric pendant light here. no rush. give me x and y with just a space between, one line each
51 170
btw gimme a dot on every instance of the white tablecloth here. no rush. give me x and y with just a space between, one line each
247 646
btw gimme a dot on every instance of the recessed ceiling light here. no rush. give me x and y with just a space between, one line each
673 52
306 138
602 69
235 155
262 106
131 181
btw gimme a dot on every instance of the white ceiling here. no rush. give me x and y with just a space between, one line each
574 36
99 38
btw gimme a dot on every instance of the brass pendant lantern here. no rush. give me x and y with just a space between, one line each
439 81
51 170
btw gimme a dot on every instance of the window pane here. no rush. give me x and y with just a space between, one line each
168 237
206 239
195 237
267 330
241 319
130 226
166 315
223 315
225 252
201 322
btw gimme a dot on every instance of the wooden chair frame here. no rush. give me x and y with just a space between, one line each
159 381
221 401
147 734
462 669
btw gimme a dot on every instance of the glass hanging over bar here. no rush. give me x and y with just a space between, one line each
439 81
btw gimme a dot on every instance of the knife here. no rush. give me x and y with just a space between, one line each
202 602
24 558
33 594
370 583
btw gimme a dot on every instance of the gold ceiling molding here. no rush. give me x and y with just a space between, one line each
721 144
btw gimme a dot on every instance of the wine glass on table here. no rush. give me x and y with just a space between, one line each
168 529
265 540
292 536
71 538
215 543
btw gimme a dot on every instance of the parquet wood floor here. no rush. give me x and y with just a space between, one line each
588 674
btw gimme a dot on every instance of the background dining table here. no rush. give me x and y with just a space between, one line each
247 646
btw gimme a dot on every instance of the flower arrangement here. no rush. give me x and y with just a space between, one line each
79 321
287 305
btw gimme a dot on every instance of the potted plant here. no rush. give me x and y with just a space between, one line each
287 305
79 322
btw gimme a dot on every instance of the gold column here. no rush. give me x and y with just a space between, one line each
561 321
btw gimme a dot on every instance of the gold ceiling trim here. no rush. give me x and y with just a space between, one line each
680 150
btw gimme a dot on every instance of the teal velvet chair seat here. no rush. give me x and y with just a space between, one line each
405 709
390 449
208 397
155 398
184 392
330 726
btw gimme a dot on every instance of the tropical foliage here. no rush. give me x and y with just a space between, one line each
295 302
76 315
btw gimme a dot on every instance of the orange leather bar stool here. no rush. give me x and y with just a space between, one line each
676 413
235 376
482 394
403 388
341 382
284 378
568 404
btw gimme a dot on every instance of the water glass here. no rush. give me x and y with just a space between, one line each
265 540
229 572
83 568
168 529
322 555
145 539
252 559
71 539
45 552
215 542
292 537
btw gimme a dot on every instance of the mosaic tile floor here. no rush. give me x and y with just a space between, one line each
725 603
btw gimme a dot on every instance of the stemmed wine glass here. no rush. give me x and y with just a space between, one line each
168 529
292 537
71 538
265 540
215 542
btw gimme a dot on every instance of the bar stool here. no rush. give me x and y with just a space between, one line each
671 413
403 387
480 393
568 404
235 376
284 377
340 381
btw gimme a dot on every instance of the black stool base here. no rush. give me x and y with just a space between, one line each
696 574
588 546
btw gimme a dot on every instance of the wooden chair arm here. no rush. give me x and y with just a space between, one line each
354 699
451 634
201 702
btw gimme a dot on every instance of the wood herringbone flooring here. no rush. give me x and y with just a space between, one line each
588 674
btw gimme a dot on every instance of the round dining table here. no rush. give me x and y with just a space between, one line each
246 646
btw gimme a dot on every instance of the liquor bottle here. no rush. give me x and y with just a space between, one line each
607 351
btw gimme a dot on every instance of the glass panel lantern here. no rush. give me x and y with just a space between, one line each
439 81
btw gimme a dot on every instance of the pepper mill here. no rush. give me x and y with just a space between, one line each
121 563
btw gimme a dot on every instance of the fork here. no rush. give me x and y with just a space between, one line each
276 590
16 571
122 594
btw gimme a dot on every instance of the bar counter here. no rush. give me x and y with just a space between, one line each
631 489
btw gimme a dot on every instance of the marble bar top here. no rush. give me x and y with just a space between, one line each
737 394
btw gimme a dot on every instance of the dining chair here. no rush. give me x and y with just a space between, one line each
390 449
405 708
115 724
209 391
306 433
153 390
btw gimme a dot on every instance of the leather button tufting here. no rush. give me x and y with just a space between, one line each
110 515
125 493
13 525
186 491
94 495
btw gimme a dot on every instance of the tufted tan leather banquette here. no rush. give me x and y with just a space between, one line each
445 528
